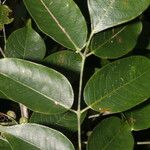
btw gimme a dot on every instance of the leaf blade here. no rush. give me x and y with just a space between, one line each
106 135
119 86
40 88
4 144
66 62
58 23
116 42
109 13
24 136
25 43
138 117
67 120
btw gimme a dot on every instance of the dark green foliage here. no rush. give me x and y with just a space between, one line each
70 71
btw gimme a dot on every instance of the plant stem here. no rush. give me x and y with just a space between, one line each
73 111
79 112
89 54
85 109
79 102
24 111
144 143
1 51
80 83
4 2
4 35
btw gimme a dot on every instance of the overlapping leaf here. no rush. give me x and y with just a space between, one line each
116 42
35 137
66 62
144 39
25 43
67 120
139 117
39 88
119 86
112 134
109 13
62 20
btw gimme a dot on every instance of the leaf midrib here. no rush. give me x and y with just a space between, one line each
53 100
59 25
113 138
112 37
113 91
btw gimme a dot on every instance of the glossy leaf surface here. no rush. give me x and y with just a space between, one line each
67 120
35 137
4 15
25 43
4 145
109 13
116 42
61 20
111 134
39 88
139 117
119 86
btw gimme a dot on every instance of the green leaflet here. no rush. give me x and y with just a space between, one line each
66 62
119 86
139 117
116 42
39 88
35 137
54 19
67 120
111 133
109 13
4 144
25 43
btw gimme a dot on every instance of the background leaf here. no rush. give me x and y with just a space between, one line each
119 86
25 43
112 134
39 88
61 20
4 15
144 39
109 13
67 120
139 117
4 145
35 137
66 62
116 42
